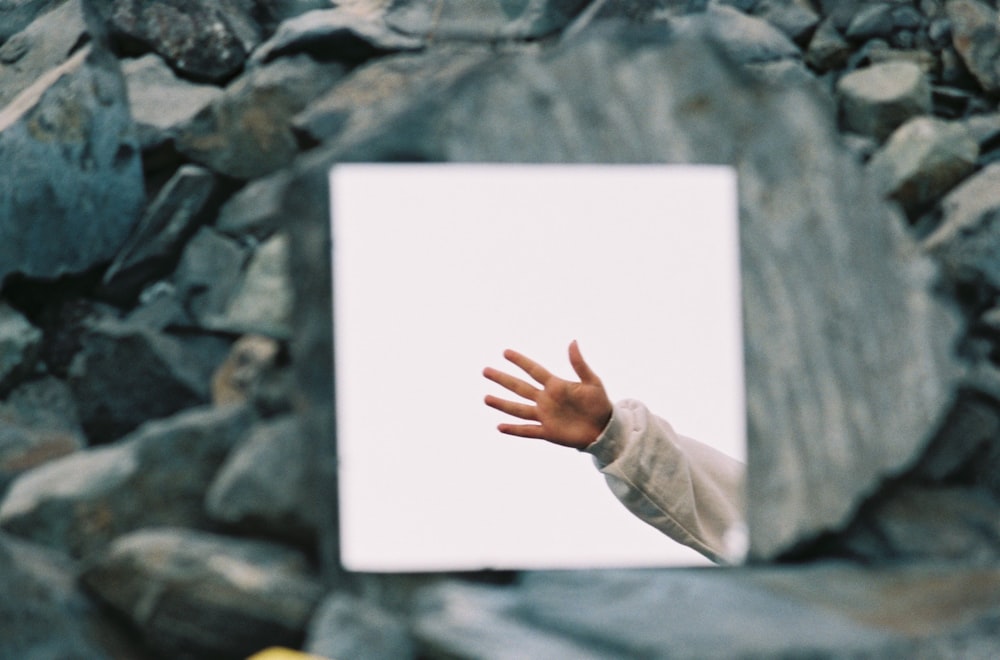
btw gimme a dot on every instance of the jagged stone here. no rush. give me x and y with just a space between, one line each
74 186
20 343
262 302
967 242
209 272
381 89
44 44
812 353
201 39
345 626
15 15
274 12
975 32
246 133
483 20
744 38
196 595
255 372
156 476
38 423
256 210
170 220
126 374
796 19
44 613
827 48
340 33
160 101
922 160
874 21
263 487
878 99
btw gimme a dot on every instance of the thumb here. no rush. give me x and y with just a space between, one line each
580 366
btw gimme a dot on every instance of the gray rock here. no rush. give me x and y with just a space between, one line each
878 99
922 160
255 372
202 40
41 46
195 595
208 273
339 32
37 424
44 613
793 17
19 346
246 133
827 48
74 187
156 476
873 21
975 33
15 15
256 210
274 12
345 626
263 487
127 374
481 20
967 242
160 101
262 302
155 246
819 363
744 38
378 91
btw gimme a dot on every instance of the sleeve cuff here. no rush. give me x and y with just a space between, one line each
610 443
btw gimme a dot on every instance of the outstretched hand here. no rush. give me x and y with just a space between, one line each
564 412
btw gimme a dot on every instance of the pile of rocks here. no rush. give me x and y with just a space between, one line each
166 475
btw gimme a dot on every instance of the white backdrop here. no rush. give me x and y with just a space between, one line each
438 268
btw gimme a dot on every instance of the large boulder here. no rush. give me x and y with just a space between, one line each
157 476
848 352
73 189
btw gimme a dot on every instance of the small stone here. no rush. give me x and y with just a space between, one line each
827 49
876 100
922 160
19 346
976 36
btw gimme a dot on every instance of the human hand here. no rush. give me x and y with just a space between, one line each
571 414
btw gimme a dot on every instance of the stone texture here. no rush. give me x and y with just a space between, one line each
195 595
255 210
19 346
245 134
967 242
340 33
202 40
126 375
45 615
262 303
796 19
70 147
483 20
38 423
345 626
157 476
827 48
155 246
41 46
263 487
876 100
975 30
209 272
871 373
922 160
160 100
744 38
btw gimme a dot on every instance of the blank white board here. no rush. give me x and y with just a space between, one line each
437 268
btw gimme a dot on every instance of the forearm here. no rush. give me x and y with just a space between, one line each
686 489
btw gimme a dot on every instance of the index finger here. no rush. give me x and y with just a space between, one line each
530 367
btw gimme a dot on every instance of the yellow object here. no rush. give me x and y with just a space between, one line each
278 653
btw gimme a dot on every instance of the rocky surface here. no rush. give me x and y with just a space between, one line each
165 398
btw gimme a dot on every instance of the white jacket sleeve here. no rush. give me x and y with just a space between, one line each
684 488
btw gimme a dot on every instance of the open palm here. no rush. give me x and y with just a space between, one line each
564 412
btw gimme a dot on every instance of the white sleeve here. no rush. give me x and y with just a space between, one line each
684 488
